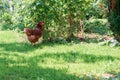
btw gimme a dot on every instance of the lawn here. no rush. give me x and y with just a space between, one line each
19 60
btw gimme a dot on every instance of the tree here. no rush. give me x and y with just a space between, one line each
5 14
114 17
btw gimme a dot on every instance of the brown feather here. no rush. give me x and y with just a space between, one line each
34 35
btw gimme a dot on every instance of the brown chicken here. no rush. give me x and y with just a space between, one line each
34 35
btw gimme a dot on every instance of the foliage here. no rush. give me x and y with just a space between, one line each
100 26
7 21
62 18
5 15
99 9
10 16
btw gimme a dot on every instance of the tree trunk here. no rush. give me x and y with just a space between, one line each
114 17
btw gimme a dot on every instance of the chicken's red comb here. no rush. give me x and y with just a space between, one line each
41 23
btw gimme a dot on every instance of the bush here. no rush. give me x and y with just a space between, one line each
6 22
100 26
62 18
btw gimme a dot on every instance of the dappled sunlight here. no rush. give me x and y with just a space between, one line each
19 64
59 40
69 60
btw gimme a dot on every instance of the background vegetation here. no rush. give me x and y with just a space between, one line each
69 50
63 18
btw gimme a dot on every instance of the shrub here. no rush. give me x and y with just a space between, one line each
6 22
62 18
100 26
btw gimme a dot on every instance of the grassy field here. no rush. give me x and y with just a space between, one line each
20 60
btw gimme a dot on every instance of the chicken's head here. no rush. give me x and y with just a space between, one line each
41 24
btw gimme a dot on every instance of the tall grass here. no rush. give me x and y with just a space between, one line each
52 61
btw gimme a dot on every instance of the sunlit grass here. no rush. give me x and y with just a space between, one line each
52 61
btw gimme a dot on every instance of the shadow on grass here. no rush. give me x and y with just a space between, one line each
35 73
24 47
21 47
16 47
72 57
31 72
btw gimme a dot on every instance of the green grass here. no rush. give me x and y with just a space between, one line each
50 61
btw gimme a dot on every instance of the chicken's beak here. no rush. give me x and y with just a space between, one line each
24 30
42 23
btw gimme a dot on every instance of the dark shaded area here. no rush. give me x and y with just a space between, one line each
25 47
97 26
74 56
91 40
114 17
17 47
31 72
